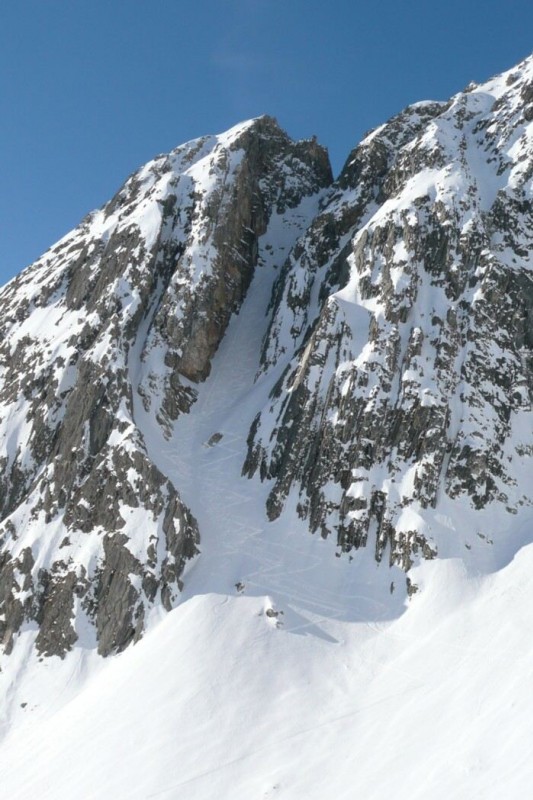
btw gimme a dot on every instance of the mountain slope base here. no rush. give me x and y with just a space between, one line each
424 706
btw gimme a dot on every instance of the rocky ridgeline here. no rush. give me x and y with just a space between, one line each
400 324
403 320
132 304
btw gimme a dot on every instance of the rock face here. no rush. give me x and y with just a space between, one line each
131 305
398 358
403 321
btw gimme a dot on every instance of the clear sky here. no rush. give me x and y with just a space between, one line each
91 89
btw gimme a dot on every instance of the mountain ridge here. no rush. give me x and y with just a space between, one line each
141 294
265 500
369 339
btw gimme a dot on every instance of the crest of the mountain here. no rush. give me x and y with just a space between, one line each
115 324
402 321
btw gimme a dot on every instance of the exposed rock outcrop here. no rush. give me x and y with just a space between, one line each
128 309
402 318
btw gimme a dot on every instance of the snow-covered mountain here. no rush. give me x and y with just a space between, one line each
104 342
295 412
403 320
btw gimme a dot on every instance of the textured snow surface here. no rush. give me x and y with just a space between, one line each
217 702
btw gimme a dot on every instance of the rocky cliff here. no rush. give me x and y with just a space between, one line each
130 306
403 321
392 407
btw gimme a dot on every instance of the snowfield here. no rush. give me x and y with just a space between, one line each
218 702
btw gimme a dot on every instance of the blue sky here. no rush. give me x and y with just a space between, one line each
91 90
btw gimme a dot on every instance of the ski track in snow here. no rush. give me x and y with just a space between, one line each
230 509
274 561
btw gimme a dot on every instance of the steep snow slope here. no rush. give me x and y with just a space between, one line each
435 704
